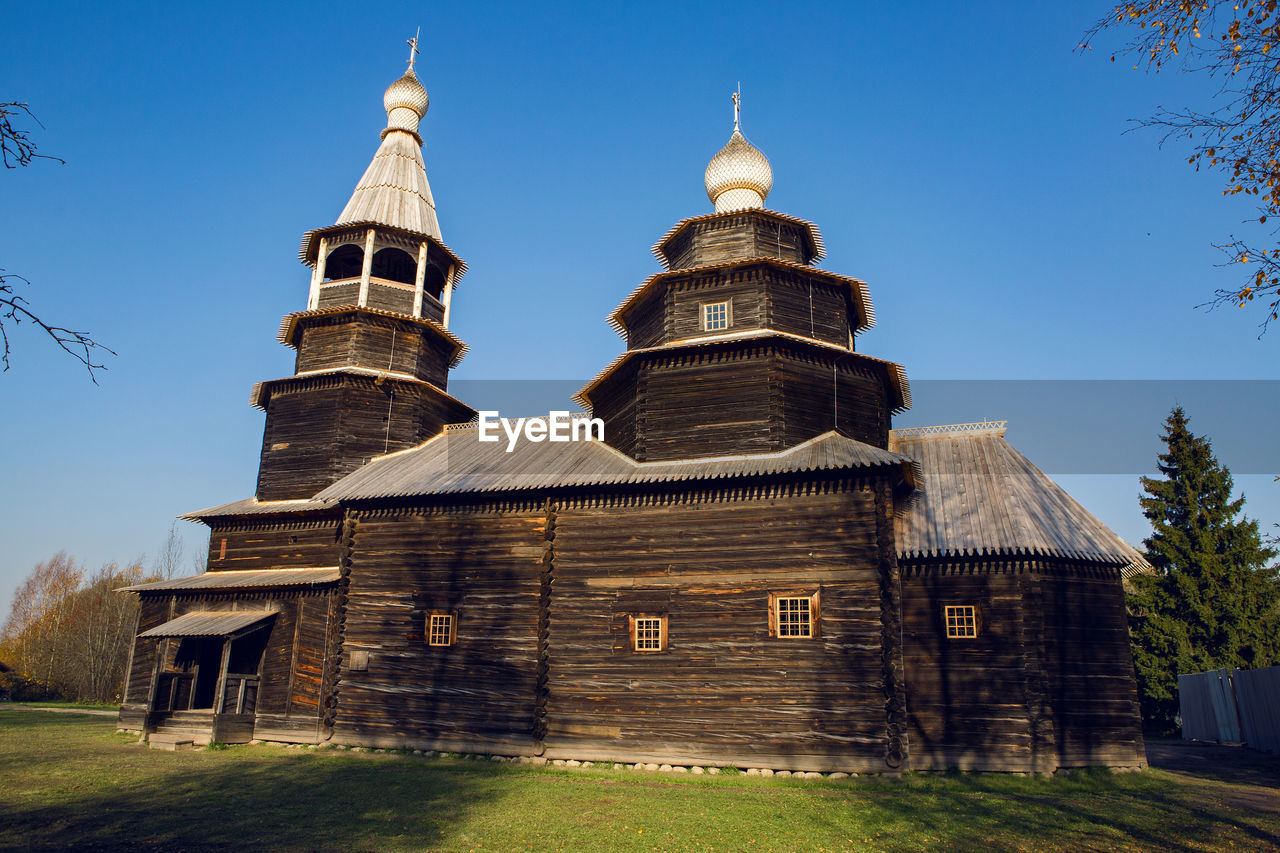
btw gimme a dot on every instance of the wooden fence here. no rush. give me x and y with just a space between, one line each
1232 706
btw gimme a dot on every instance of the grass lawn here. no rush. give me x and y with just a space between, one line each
71 706
68 780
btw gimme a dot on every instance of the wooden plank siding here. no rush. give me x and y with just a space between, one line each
153 611
1048 681
741 397
482 564
761 297
287 705
273 544
319 429
374 342
724 691
744 235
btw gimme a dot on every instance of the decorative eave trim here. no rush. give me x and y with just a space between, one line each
858 288
897 374
943 431
261 391
1127 564
310 245
289 326
819 248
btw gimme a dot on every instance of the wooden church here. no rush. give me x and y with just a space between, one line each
751 569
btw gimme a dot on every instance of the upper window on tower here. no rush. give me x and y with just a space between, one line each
715 316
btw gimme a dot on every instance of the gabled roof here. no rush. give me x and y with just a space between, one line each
816 246
456 462
858 293
394 189
983 497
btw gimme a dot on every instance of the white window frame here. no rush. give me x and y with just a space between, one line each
705 309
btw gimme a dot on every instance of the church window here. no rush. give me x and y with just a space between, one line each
648 633
793 616
962 621
442 628
715 316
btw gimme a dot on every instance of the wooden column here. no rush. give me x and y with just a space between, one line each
447 296
317 275
419 277
221 685
366 269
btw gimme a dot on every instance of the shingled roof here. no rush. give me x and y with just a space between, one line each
983 497
457 462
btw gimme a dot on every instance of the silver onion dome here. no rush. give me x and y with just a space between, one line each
739 176
406 103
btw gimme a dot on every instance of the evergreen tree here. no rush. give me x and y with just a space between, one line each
1212 601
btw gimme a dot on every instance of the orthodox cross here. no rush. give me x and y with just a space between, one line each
737 104
413 47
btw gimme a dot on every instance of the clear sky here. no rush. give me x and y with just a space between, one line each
960 158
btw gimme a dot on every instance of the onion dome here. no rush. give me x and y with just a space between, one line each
406 103
739 176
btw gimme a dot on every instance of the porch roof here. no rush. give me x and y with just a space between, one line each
201 623
241 579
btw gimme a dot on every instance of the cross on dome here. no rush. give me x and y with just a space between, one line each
739 177
413 47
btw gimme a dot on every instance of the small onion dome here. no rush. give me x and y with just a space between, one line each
406 103
738 176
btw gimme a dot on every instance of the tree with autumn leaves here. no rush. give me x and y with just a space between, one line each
1237 43
69 632
1213 598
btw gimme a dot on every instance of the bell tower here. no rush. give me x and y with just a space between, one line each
742 344
373 346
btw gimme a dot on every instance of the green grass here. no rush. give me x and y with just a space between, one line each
72 706
71 781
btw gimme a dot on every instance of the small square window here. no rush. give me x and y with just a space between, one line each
793 616
962 621
442 629
715 316
648 633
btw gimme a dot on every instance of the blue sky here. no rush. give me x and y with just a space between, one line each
960 158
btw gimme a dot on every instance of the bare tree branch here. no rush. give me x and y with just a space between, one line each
1238 43
16 147
13 309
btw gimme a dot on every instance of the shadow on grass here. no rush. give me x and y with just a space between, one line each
71 782
302 802
1084 810
1235 764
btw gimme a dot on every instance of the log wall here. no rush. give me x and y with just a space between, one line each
736 237
741 398
724 691
288 692
1047 683
320 429
374 343
275 544
482 564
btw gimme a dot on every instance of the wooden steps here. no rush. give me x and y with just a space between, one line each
182 730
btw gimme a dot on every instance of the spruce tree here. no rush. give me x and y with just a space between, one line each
1212 600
